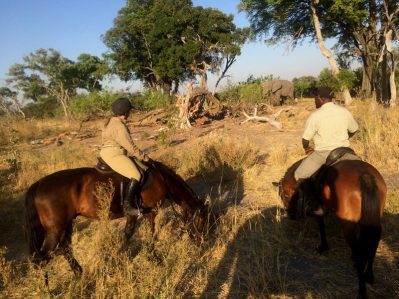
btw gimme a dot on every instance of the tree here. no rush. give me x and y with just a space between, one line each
7 97
46 74
360 27
303 86
291 21
165 42
365 28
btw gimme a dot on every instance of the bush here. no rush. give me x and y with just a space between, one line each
93 104
43 109
250 93
152 99
304 86
346 78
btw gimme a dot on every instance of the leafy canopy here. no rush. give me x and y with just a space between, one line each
164 41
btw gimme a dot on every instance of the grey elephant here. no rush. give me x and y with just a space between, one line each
278 91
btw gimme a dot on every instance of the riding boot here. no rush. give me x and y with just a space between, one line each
131 199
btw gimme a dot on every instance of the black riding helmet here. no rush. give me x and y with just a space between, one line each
121 106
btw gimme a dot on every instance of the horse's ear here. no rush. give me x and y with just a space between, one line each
276 184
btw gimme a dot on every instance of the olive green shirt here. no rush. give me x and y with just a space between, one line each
116 134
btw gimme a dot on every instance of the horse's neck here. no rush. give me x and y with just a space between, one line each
177 187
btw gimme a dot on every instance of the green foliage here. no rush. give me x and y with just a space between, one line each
327 79
96 103
44 109
164 42
46 74
250 93
346 78
150 100
304 85
358 26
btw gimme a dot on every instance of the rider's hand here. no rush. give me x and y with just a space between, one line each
309 150
146 158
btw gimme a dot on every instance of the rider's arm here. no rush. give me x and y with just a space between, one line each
353 127
124 139
306 147
350 134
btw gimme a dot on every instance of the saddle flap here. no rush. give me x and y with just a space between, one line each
102 165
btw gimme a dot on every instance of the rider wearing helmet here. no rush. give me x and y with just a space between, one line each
117 146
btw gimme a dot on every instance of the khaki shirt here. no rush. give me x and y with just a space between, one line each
117 134
328 126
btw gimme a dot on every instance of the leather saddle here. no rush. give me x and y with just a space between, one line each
339 154
104 168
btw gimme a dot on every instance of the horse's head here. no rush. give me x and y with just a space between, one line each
289 196
201 222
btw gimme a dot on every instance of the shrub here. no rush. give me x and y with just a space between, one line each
93 104
152 99
43 109
250 93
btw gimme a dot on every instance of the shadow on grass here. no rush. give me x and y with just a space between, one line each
274 256
12 221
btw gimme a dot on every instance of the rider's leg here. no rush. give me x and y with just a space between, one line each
123 165
305 170
131 199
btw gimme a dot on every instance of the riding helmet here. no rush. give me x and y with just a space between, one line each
121 106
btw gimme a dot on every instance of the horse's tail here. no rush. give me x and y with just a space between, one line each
370 224
34 230
370 214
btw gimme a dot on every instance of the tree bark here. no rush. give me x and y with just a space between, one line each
392 83
18 106
327 52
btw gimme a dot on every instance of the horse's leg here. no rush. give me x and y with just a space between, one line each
129 229
151 217
371 237
349 231
66 248
323 240
50 243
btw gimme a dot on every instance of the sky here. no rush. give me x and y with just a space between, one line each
73 27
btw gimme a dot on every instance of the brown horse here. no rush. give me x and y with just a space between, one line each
53 202
356 192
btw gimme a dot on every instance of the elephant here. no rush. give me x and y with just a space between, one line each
278 91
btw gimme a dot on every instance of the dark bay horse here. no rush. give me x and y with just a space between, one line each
53 202
356 192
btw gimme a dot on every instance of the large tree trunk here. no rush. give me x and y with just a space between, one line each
367 89
326 52
391 68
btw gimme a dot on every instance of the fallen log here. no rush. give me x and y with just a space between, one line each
270 119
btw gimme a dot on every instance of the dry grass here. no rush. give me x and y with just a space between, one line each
253 252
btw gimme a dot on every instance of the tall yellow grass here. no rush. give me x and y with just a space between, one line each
254 251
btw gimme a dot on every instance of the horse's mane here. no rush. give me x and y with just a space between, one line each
290 171
165 170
